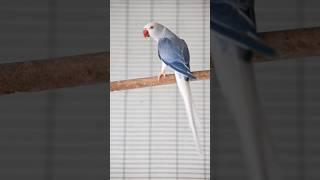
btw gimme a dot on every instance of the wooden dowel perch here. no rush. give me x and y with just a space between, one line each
153 81
55 73
292 43
38 75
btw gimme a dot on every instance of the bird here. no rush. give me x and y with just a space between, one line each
174 53
233 41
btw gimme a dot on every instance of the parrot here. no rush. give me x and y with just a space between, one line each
174 53
234 39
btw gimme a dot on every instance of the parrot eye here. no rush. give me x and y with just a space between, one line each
151 27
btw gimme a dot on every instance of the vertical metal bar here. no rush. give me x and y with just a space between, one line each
125 93
150 99
51 96
300 112
204 3
177 100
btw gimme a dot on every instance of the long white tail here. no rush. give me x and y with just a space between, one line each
185 91
237 82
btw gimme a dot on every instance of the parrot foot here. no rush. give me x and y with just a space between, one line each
162 73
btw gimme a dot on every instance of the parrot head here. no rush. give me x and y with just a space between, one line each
153 30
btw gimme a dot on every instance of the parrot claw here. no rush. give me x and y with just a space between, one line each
162 73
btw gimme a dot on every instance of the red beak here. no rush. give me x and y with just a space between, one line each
146 33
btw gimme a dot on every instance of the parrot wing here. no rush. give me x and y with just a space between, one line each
232 23
170 53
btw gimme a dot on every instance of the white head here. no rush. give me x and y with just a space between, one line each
153 30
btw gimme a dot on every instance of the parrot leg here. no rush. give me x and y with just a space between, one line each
162 72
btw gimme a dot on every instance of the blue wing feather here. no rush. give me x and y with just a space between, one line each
235 21
175 54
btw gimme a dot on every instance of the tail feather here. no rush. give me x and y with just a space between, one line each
237 82
185 91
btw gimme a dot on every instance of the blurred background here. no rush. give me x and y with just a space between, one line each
149 136
290 94
57 134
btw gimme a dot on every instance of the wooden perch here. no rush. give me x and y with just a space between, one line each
292 44
31 76
55 73
153 81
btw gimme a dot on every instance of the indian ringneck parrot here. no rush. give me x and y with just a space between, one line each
173 52
233 41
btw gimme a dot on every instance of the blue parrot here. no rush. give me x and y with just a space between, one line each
174 53
233 41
